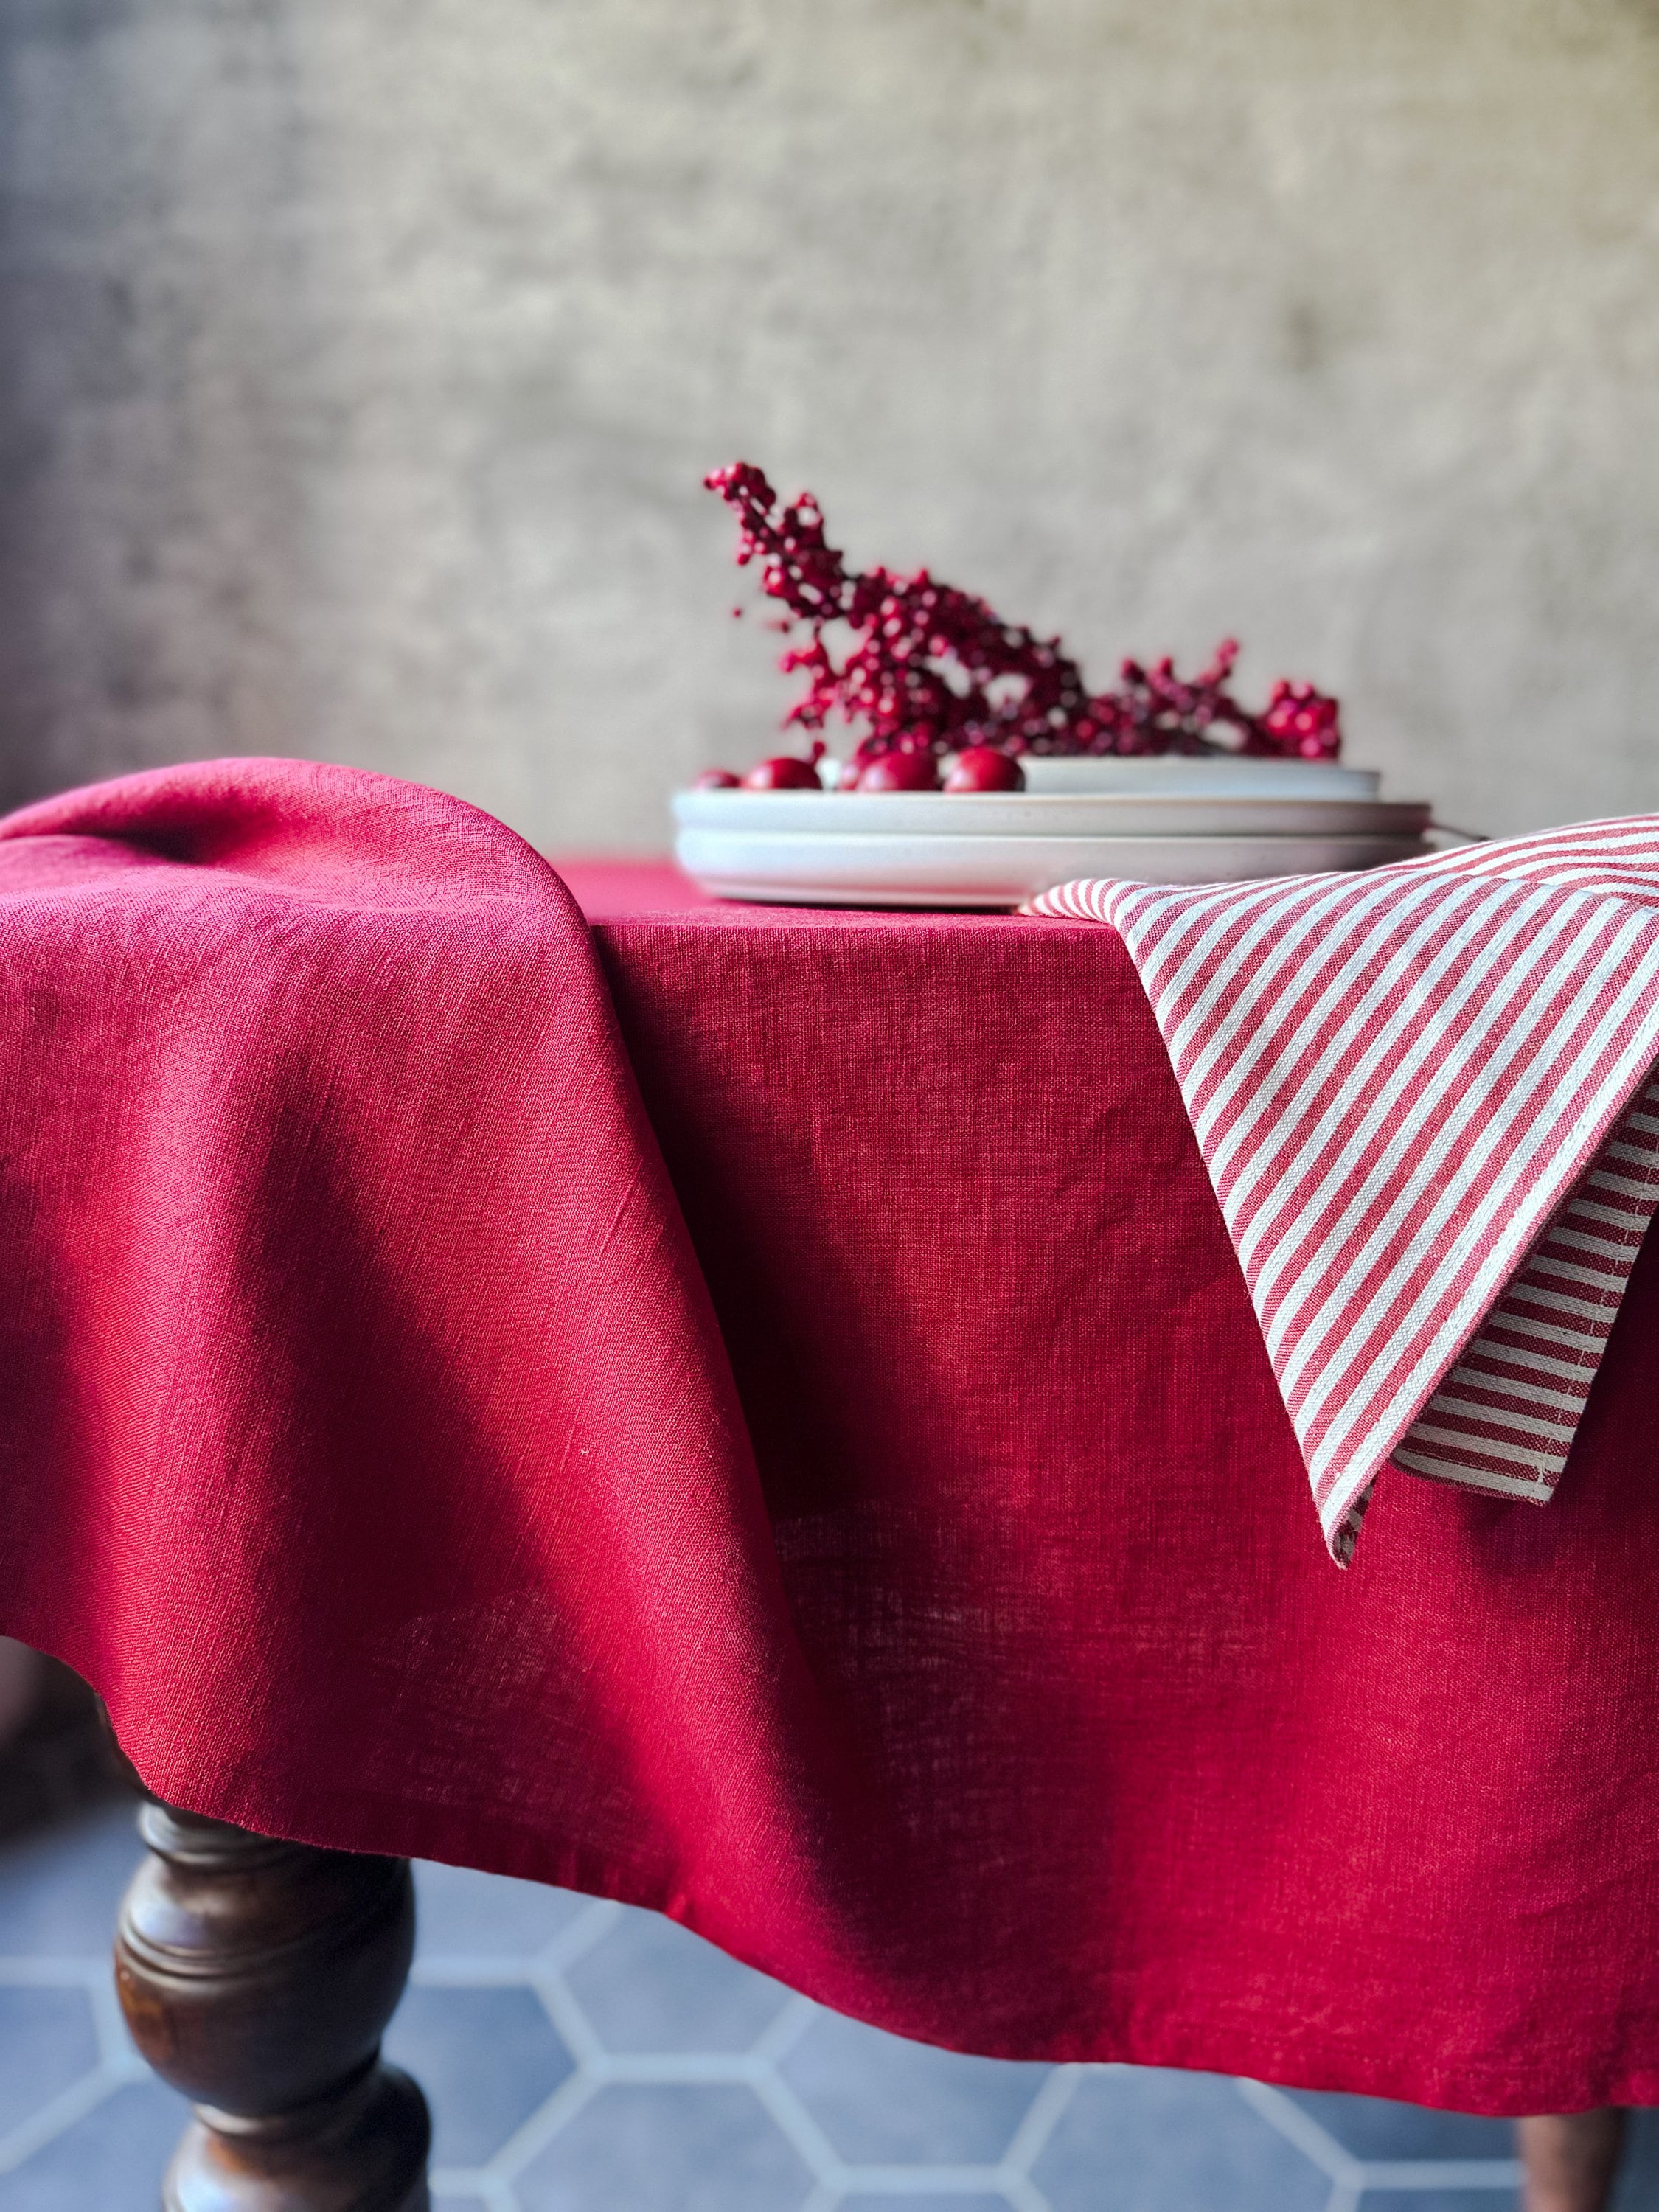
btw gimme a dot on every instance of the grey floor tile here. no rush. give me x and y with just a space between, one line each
1146 2140
489 2057
1376 2127
47 2042
1637 2186
660 2149
882 2101
111 2160
1440 2200
461 1914
60 1889
928 2204
486 2059
650 1984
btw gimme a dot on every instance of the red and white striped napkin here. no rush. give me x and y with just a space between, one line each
1426 1097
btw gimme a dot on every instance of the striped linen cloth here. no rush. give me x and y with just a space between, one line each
1426 1098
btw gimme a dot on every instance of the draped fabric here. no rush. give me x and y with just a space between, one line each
758 1414
1422 1097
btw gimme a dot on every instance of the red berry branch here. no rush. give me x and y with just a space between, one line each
931 670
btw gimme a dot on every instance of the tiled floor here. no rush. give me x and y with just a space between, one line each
582 2058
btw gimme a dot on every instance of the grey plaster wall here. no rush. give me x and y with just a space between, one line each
359 360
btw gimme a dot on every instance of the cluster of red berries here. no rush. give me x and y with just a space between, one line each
931 670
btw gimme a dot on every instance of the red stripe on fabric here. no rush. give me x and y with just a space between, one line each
1448 1470
1473 1398
1479 1364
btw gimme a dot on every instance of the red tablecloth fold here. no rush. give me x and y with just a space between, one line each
369 1438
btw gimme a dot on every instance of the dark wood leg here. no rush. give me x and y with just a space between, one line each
1572 2159
258 1976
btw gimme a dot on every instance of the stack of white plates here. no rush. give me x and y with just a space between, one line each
1170 820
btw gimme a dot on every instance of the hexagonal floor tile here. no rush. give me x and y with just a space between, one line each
1144 2139
486 2059
60 1889
113 2158
882 2101
461 1914
650 1984
925 2204
47 2041
684 2148
1376 2127
1440 2200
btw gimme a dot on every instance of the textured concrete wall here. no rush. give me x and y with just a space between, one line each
359 360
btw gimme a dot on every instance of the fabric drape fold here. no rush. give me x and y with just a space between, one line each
1422 1097
756 1413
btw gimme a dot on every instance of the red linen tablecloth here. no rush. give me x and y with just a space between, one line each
368 1442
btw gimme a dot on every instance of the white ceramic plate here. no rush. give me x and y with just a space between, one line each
786 867
1191 774
914 814
1214 774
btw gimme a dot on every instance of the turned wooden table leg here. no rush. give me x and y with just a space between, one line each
258 1976
1572 2159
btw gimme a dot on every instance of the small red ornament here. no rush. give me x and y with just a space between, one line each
985 767
783 773
900 772
716 779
